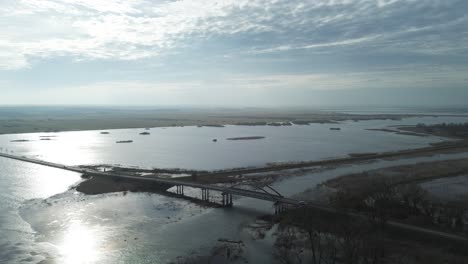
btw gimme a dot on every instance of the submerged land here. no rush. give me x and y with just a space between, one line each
371 204
267 172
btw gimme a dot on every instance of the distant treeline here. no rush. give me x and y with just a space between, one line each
449 128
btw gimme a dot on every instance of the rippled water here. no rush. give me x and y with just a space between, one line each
40 219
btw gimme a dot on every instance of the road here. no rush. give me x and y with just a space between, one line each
234 191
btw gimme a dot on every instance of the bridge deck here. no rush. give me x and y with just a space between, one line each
234 191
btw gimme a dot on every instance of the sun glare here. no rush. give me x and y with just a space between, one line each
79 245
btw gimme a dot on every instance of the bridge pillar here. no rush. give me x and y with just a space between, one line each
279 207
227 199
205 195
180 190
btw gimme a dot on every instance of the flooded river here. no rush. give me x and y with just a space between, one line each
41 220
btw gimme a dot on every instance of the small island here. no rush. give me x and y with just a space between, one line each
124 141
245 138
211 125
145 133
104 133
20 140
47 137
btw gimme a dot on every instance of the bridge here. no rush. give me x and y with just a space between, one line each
262 194
280 202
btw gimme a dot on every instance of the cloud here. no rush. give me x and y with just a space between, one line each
408 77
318 45
131 30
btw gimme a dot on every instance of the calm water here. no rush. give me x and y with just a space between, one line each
41 220
448 189
192 147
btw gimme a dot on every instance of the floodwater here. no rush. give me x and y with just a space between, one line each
42 220
448 189
193 148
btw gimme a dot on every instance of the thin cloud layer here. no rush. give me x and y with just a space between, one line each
193 39
128 30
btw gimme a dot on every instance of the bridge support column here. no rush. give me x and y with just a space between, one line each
180 190
279 208
205 195
227 199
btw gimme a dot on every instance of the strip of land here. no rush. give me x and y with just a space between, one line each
53 119
246 138
240 174
404 174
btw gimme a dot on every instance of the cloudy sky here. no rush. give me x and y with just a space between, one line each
234 52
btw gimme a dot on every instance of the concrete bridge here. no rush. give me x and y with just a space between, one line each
279 201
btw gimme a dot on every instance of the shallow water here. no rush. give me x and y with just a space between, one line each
40 219
448 189
193 148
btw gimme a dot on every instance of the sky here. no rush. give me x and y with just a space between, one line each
234 52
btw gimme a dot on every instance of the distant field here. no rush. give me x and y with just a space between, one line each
52 119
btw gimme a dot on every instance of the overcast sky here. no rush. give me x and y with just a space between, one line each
234 52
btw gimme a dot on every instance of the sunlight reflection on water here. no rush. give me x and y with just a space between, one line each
80 244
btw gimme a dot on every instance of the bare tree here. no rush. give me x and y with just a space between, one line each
286 250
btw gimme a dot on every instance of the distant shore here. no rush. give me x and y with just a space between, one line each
39 120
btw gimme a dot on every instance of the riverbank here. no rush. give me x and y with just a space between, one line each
404 174
396 194
100 185
267 174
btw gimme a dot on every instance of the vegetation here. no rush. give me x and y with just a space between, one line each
307 235
458 130
382 199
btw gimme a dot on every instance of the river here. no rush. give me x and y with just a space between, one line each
41 219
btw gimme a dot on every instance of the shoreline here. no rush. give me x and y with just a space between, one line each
154 119
404 174
237 175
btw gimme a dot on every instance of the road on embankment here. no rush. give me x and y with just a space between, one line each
461 145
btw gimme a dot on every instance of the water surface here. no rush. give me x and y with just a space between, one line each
41 219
